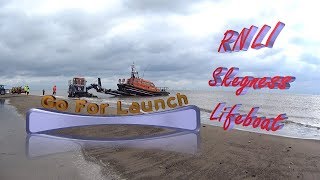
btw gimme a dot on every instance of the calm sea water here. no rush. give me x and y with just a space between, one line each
303 111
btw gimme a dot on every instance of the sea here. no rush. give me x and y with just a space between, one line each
302 110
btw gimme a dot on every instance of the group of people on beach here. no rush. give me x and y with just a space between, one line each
54 90
26 90
20 89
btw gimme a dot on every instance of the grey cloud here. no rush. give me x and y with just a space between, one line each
4 2
72 41
310 59
159 6
297 40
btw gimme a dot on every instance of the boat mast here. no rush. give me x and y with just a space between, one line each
134 72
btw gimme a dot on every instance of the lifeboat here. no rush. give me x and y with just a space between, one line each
134 86
141 87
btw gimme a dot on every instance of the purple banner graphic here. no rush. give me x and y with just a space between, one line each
184 118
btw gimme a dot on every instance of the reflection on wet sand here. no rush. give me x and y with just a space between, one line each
179 141
2 101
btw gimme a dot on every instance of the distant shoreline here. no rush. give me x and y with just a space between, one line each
213 90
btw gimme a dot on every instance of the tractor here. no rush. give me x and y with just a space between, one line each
77 88
2 90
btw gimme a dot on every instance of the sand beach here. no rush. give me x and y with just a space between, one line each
220 154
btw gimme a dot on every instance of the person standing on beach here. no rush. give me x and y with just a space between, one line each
28 90
54 89
25 89
43 92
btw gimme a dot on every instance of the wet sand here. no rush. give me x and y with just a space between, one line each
14 164
222 154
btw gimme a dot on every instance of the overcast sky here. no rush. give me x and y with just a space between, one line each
173 43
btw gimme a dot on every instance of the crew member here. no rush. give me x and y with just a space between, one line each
54 89
28 90
25 89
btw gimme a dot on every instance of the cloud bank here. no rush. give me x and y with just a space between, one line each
173 43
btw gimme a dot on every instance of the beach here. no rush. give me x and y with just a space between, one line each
220 154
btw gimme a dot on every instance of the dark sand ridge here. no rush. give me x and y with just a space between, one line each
223 154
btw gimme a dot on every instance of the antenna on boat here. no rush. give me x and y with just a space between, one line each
133 71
